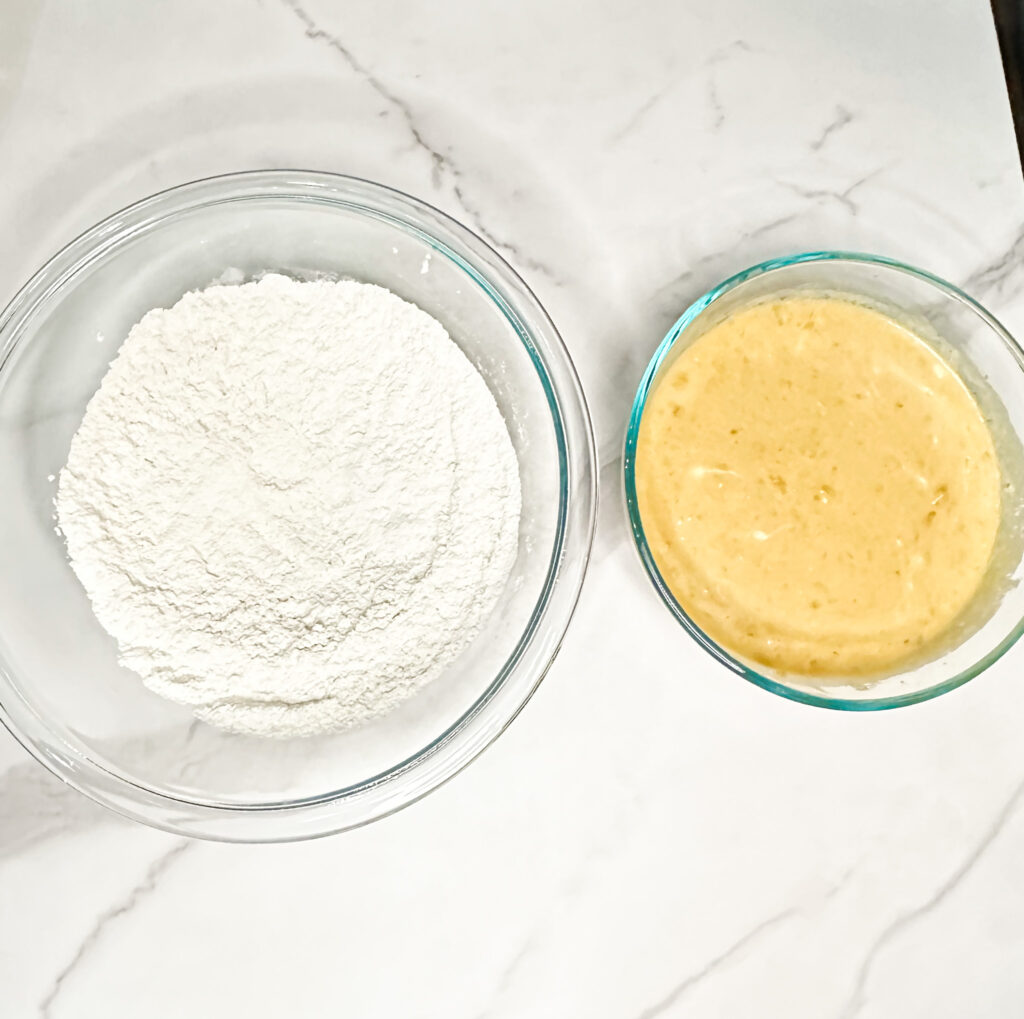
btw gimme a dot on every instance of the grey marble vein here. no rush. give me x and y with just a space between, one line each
667 293
1002 276
313 31
715 102
35 806
772 224
713 62
141 891
688 983
858 996
508 974
840 882
724 53
640 114
669 288
570 891
442 163
843 197
522 259
842 118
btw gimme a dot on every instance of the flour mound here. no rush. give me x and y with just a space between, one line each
291 504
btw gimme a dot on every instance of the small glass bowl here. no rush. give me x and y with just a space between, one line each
62 693
992 365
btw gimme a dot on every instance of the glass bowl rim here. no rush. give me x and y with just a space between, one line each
636 525
481 723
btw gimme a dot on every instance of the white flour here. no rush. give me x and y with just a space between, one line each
290 503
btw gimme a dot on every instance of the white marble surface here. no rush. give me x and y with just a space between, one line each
652 837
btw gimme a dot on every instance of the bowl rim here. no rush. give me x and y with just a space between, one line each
643 392
494 709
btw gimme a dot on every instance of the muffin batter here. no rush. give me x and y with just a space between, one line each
819 488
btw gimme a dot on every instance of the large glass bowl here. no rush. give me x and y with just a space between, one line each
62 692
991 364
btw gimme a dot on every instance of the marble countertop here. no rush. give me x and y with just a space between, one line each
652 837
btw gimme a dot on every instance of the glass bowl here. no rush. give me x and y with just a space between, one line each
991 364
62 693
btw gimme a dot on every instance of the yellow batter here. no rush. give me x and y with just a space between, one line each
818 487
